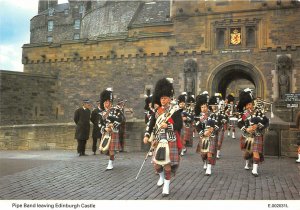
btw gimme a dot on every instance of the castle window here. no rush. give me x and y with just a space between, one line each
250 36
76 36
50 39
66 12
81 8
50 25
51 11
77 24
220 39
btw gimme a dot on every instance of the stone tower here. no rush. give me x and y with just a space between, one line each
45 4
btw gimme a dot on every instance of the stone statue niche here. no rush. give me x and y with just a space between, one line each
284 65
190 75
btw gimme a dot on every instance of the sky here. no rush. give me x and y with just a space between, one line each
15 18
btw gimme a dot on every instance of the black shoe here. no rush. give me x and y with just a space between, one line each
94 153
80 154
83 154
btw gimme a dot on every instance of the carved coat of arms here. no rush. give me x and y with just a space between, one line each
235 36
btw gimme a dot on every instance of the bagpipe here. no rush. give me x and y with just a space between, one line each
188 112
263 106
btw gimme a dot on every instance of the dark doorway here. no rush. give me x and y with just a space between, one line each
234 76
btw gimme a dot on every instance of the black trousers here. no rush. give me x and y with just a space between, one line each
94 147
81 146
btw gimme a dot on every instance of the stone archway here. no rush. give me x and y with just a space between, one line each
226 73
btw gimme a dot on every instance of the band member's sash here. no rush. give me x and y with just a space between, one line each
249 144
163 118
162 153
105 142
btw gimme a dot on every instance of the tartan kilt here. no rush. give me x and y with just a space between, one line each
186 134
174 154
258 144
114 142
220 138
225 126
242 142
213 144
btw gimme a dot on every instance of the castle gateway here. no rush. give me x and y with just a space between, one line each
218 46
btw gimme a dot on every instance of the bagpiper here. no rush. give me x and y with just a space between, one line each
231 113
252 124
164 128
298 144
186 105
206 126
181 103
109 122
222 124
148 108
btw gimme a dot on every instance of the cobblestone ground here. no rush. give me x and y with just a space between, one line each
62 175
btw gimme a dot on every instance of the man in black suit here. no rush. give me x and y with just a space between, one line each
82 121
96 130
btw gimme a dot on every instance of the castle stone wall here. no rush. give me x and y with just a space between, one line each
27 98
61 136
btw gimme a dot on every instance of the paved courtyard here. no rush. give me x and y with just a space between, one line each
62 175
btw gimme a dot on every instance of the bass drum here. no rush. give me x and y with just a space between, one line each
105 142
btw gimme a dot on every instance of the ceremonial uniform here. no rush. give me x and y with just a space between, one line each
109 123
222 124
230 112
206 126
122 130
252 124
165 125
186 134
148 109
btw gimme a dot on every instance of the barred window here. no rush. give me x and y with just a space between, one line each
50 25
76 36
50 39
81 8
77 24
51 11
